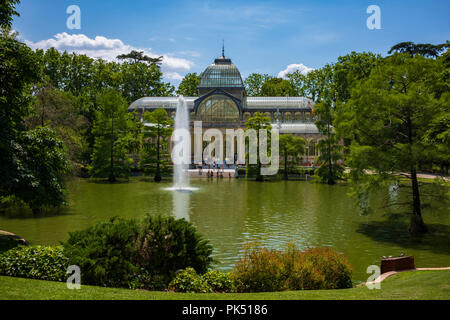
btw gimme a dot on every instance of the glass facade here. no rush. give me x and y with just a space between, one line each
218 108
221 76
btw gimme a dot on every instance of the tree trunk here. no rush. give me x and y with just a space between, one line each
285 174
112 177
158 169
416 225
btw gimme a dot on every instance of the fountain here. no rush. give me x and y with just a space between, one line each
181 154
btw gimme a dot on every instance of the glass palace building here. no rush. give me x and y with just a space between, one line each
222 103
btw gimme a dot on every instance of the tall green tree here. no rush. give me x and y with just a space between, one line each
41 166
290 149
189 84
7 11
277 87
330 171
297 81
257 123
155 156
19 70
389 115
254 82
116 134
425 49
138 80
139 57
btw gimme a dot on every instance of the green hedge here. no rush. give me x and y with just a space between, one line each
43 263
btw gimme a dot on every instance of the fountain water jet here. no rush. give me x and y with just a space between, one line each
181 155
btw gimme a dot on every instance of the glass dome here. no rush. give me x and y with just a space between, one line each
222 73
218 108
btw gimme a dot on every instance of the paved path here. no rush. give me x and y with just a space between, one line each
391 273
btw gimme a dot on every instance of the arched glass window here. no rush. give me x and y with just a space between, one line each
218 108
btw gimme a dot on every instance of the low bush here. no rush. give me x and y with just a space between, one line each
43 263
137 254
166 245
104 253
264 270
189 281
219 281
213 281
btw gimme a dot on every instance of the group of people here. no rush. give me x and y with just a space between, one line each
219 174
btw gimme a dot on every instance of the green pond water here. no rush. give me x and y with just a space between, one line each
231 213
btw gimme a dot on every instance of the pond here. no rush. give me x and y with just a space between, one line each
231 213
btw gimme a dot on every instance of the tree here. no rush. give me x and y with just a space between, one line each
277 87
18 72
138 80
7 11
139 57
297 81
390 114
257 123
41 165
156 157
59 111
329 171
189 84
317 82
254 82
290 147
425 49
116 135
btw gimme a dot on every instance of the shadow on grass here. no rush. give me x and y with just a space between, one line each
393 231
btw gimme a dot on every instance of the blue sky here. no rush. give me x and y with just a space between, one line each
260 36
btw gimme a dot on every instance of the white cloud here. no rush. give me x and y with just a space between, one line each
294 67
109 49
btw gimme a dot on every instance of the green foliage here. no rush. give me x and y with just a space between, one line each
166 245
43 263
425 49
389 119
264 270
138 56
18 72
189 84
41 166
291 148
155 156
298 81
254 82
219 281
277 87
137 254
104 252
190 282
258 122
8 241
7 11
116 136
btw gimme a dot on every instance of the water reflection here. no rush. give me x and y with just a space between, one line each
181 205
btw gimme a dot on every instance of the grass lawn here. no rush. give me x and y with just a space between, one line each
407 285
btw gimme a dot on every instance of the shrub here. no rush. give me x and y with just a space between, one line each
133 254
189 281
213 281
219 281
166 245
259 270
104 252
43 263
264 270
